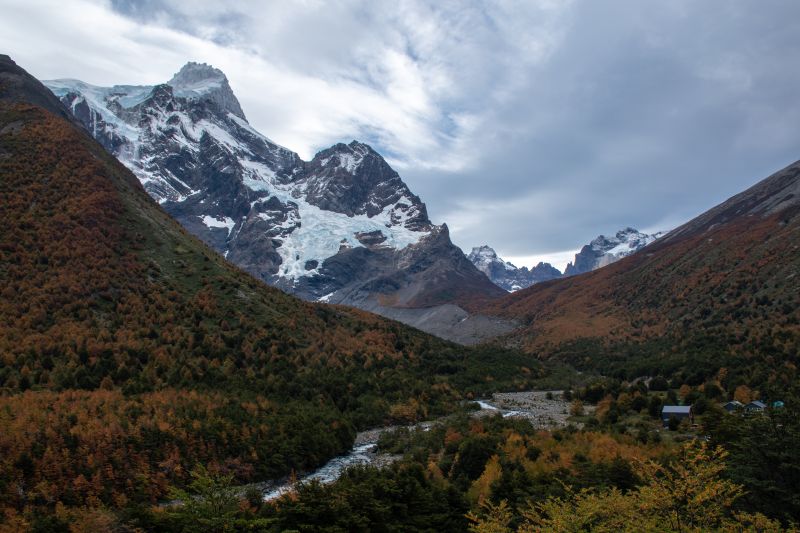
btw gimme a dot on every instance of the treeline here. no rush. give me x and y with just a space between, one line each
686 494
763 456
446 472
103 448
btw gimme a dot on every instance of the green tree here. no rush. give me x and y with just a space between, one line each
764 452
210 504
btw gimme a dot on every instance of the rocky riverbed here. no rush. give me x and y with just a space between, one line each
545 409
364 452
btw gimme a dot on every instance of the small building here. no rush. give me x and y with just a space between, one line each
755 407
777 404
678 412
733 406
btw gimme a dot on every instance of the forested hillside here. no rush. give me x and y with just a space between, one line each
716 297
132 352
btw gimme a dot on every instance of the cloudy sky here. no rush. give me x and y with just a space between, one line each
532 126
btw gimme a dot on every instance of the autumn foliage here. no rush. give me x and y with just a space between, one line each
687 495
130 352
723 293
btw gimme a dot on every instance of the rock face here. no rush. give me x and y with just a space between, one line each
507 276
600 252
341 228
604 250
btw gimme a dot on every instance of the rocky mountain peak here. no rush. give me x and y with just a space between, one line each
355 180
603 250
204 82
345 158
357 147
486 260
197 74
507 276
484 252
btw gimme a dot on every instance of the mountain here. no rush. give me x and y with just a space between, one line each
600 252
507 276
341 228
716 298
604 250
132 352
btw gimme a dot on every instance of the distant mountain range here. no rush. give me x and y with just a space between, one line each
600 252
341 228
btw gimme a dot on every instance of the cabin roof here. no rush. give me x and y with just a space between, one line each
676 410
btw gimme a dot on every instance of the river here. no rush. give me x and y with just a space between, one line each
359 455
365 448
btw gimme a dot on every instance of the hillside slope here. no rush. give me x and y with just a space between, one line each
131 351
716 296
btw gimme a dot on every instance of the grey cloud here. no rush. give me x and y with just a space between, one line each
530 126
645 114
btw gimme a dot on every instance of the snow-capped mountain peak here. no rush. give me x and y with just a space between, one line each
197 77
355 180
603 250
624 241
256 202
202 81
348 157
485 258
507 276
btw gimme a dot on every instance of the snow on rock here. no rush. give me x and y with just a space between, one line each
323 233
196 78
604 250
318 234
484 257
225 222
193 150
507 276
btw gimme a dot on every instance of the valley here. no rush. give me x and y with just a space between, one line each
132 351
188 309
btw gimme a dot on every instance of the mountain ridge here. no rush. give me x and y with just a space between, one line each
600 252
289 222
506 275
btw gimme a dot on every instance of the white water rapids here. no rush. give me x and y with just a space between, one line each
363 452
